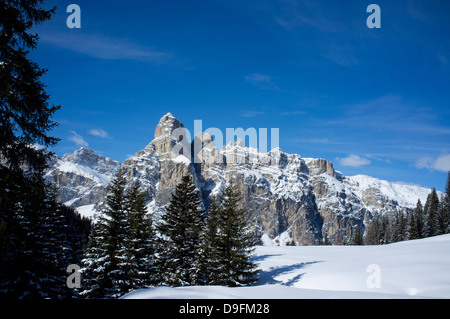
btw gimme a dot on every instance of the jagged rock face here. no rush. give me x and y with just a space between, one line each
82 177
288 198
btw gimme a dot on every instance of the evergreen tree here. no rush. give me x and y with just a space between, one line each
55 250
77 233
139 242
104 263
419 217
31 226
235 243
181 230
385 230
357 238
95 278
210 252
445 209
413 229
431 213
400 227
25 114
34 252
372 236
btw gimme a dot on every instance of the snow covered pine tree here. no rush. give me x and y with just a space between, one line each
180 245
234 243
104 278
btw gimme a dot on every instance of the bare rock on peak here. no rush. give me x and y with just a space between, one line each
167 124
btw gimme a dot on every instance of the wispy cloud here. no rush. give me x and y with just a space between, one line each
340 54
390 114
290 113
78 139
293 14
262 81
106 48
249 113
353 161
99 133
312 140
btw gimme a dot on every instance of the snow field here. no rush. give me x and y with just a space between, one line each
411 269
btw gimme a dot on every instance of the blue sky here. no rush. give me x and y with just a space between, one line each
372 101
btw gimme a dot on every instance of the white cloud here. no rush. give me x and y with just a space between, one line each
78 139
442 163
261 81
99 133
353 161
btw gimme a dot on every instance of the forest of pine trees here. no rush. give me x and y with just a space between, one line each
188 247
427 220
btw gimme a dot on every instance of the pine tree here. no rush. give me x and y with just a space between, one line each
399 225
235 243
420 220
385 230
210 252
25 114
180 247
431 212
445 209
30 219
139 241
36 269
55 250
414 228
77 233
104 263
372 236
95 278
357 238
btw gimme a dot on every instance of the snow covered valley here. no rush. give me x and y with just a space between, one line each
410 269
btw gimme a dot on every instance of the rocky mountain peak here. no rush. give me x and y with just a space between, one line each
287 197
167 124
83 156
86 157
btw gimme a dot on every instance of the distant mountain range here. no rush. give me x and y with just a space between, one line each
288 198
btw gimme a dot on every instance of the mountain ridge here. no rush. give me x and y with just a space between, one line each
288 198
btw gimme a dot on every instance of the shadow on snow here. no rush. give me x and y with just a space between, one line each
268 277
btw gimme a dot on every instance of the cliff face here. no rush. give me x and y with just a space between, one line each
287 197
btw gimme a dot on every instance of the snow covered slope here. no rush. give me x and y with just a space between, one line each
411 269
406 195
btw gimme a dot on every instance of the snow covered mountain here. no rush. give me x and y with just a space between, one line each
82 177
287 197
